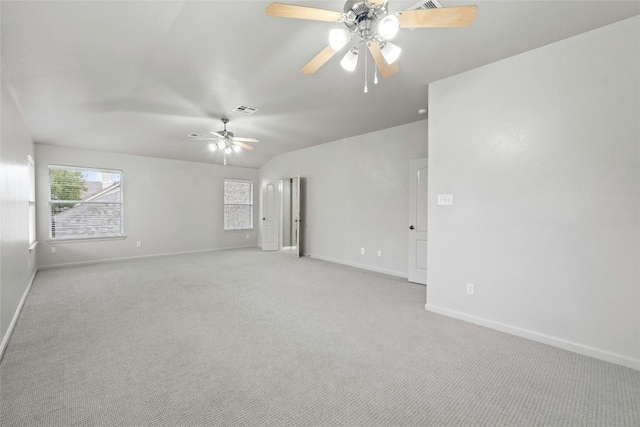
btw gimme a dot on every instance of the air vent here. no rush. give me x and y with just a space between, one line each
431 4
245 109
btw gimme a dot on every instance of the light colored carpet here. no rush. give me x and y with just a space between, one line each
245 338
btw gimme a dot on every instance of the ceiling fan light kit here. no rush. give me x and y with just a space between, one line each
224 141
338 38
388 27
391 52
370 23
350 60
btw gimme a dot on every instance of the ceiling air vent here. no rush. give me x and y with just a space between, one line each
245 109
430 4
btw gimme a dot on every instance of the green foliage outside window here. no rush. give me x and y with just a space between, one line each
66 185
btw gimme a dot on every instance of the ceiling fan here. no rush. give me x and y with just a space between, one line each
370 23
224 141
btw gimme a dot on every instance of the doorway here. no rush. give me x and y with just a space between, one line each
290 215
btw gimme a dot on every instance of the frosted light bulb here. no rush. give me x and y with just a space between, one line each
350 60
388 27
338 38
391 52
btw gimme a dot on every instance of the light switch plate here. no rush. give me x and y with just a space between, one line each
445 199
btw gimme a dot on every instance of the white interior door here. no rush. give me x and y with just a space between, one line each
270 234
418 221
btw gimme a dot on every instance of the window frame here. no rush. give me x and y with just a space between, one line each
51 202
225 204
32 215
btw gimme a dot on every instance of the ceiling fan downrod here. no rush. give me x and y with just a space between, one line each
226 134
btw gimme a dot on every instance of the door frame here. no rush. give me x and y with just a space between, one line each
295 217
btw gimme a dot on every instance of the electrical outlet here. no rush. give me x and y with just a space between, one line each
470 289
361 251
138 244
379 252
52 250
445 199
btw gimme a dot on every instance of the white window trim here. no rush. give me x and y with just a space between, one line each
86 239
224 205
33 236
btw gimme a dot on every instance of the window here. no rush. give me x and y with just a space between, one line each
85 203
32 202
238 204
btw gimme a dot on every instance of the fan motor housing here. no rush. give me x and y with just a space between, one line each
361 18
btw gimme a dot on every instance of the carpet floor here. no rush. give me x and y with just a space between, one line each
246 338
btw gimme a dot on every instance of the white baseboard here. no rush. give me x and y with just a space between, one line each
12 325
108 260
585 350
362 266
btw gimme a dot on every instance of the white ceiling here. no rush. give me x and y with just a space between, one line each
137 77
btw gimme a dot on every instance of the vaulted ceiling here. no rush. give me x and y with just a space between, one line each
137 77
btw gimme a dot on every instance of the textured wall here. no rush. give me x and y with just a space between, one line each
541 153
357 195
169 206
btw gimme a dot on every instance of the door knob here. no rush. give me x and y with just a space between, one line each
411 227
264 219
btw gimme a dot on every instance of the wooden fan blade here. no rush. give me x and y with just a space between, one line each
242 144
461 16
318 61
386 70
302 12
246 139
216 134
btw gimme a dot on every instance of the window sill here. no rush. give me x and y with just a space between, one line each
85 239
239 230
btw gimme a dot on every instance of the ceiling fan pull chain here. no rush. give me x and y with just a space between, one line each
365 72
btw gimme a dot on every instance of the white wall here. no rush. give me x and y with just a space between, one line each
541 153
170 206
17 264
357 196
